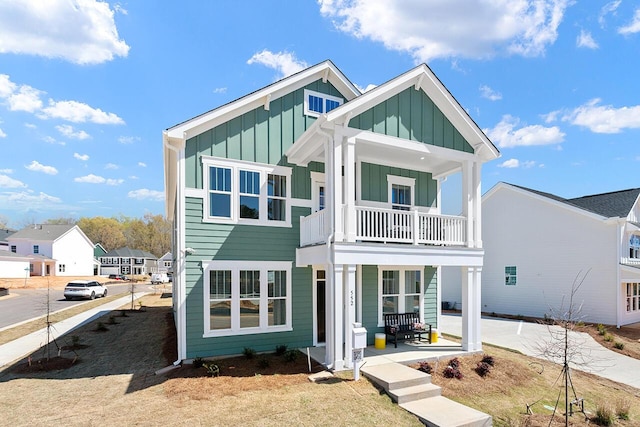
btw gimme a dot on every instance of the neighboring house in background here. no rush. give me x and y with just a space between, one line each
164 264
537 244
4 233
127 261
98 252
14 266
54 249
306 206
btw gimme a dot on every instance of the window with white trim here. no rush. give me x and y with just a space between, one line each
401 192
244 192
400 291
317 103
633 297
510 275
246 297
634 246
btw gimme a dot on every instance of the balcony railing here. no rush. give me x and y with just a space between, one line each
391 226
631 261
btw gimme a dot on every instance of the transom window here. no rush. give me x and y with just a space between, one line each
246 297
317 103
401 192
400 291
510 275
633 297
243 192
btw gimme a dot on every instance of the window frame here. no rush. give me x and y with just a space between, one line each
632 297
264 267
36 249
402 270
508 276
325 97
404 181
264 171
634 246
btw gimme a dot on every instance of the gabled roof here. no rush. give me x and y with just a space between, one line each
616 204
128 253
4 233
42 232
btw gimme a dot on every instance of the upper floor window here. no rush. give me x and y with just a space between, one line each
13 248
401 192
316 103
634 246
243 192
510 275
36 249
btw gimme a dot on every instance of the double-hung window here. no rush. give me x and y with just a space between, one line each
36 249
401 192
633 297
510 275
317 103
246 297
400 291
245 192
634 247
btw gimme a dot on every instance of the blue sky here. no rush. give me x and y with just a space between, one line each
87 87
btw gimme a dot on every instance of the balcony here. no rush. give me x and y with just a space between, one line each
380 225
634 262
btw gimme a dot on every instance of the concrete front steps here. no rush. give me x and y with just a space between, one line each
413 391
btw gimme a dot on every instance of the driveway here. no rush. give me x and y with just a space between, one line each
529 338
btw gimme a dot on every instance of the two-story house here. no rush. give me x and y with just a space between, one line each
306 206
127 261
538 244
54 249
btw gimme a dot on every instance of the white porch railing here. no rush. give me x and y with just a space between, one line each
630 261
391 226
313 228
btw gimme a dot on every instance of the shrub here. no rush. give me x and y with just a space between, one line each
212 369
604 415
281 349
489 360
608 337
454 363
619 345
198 362
483 369
623 408
451 372
425 367
249 352
291 355
601 329
263 363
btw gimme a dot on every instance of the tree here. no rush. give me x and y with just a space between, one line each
61 220
106 231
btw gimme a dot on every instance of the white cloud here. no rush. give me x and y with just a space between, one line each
510 164
2 134
366 88
604 118
609 8
145 194
451 28
69 132
128 139
633 27
142 164
490 94
220 90
6 170
585 39
83 157
19 97
8 182
505 134
38 167
51 140
82 31
111 166
284 63
95 179
27 199
78 112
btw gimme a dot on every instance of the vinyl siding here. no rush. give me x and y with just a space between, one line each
412 115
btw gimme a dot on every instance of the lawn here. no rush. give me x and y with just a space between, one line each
108 378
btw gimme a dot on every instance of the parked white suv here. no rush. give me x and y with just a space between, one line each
84 289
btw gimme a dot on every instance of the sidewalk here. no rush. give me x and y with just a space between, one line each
526 337
19 348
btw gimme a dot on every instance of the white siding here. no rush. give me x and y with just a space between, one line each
13 269
75 252
550 246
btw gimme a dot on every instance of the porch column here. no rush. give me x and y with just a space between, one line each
335 325
349 275
338 184
471 309
350 189
467 200
477 204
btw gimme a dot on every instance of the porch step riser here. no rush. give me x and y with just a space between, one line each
409 394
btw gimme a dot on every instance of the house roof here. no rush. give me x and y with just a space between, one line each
129 253
615 204
42 232
10 256
4 233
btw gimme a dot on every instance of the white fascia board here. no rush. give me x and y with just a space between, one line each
503 186
302 150
257 99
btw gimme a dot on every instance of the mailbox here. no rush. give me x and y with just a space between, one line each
359 336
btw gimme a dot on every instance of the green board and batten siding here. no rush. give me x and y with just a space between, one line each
374 185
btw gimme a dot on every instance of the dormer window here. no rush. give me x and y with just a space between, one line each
316 103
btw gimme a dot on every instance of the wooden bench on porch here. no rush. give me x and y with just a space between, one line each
402 326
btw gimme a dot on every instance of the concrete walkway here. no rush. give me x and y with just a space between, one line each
19 348
528 337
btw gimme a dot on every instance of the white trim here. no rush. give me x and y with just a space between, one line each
325 97
402 269
404 181
236 166
317 180
235 267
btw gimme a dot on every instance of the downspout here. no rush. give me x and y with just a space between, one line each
179 255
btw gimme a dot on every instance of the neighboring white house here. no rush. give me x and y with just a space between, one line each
165 264
54 249
536 245
13 266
